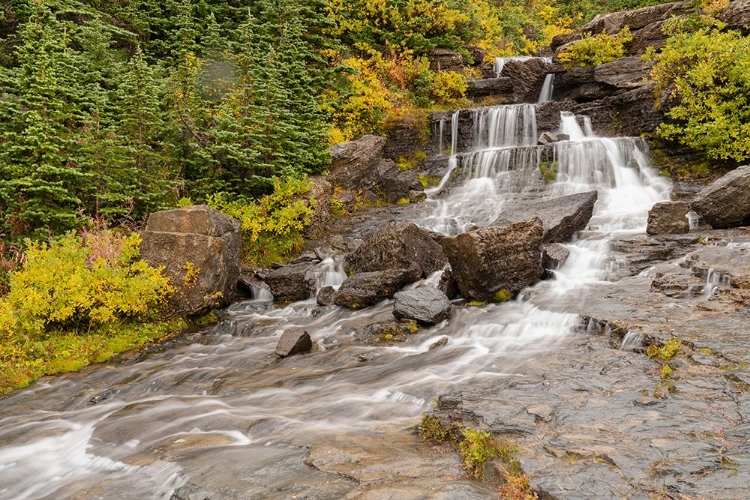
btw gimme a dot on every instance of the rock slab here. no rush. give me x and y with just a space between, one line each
425 304
726 202
293 342
669 217
365 289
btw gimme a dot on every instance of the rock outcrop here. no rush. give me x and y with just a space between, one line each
726 202
489 260
320 192
445 60
526 76
291 282
199 248
368 288
424 304
396 184
669 217
479 88
353 161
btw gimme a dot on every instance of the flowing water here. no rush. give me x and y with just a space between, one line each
139 428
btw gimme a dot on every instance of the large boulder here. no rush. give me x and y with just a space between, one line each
491 260
292 282
396 184
365 289
726 202
199 248
398 245
626 73
527 77
561 217
630 113
669 217
353 161
580 85
635 19
425 305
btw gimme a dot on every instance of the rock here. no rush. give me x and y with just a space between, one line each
630 113
425 305
385 331
489 260
445 60
369 288
726 202
625 73
320 192
580 85
397 246
199 248
325 296
737 15
648 36
554 256
447 284
396 184
479 88
407 138
527 77
354 161
477 54
635 19
293 342
551 137
669 217
291 282
560 40
561 217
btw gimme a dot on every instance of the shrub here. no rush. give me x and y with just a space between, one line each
597 49
476 449
448 88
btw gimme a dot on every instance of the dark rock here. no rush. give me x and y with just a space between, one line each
246 283
354 161
548 115
630 113
726 202
625 73
448 284
491 259
648 36
737 15
396 184
554 256
320 193
560 40
293 342
199 248
369 288
635 19
397 246
561 217
325 296
477 54
425 305
527 77
669 217
408 137
445 60
550 137
479 88
580 85
291 282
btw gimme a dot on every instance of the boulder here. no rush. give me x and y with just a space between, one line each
580 85
367 288
737 15
625 73
552 137
425 305
325 296
560 40
396 184
554 256
726 202
292 282
445 60
635 19
447 284
353 161
398 245
669 217
320 193
561 217
527 77
479 88
648 36
293 342
489 260
199 248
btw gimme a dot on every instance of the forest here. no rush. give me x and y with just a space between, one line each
111 110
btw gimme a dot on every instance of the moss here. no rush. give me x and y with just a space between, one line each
403 201
476 449
204 320
476 303
549 171
502 295
668 351
666 371
429 181
432 428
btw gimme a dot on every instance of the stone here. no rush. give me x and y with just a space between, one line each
353 161
479 88
325 296
580 85
293 342
561 217
291 282
385 331
635 19
648 36
320 193
396 184
560 40
554 256
631 113
397 246
199 248
669 217
368 288
527 77
407 137
447 283
424 304
624 73
445 60
551 137
737 15
726 202
488 260
477 54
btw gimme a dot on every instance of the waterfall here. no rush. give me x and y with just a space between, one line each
547 88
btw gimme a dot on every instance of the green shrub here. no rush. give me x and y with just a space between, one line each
448 88
476 449
597 49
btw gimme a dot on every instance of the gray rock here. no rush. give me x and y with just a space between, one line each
561 217
635 19
320 193
425 305
651 35
551 137
365 289
293 342
291 282
554 256
445 60
630 113
353 161
737 15
527 77
488 260
625 73
199 248
669 217
479 88
726 202
580 85
397 246
325 296
396 184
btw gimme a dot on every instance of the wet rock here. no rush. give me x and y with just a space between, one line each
293 342
479 88
630 113
561 217
447 283
554 256
354 161
669 217
399 245
445 60
726 202
199 248
527 77
489 260
319 196
291 282
325 296
396 184
551 137
368 288
625 73
387 331
425 304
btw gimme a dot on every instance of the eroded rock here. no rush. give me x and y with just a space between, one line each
425 305
291 282
526 76
726 202
479 88
445 60
669 217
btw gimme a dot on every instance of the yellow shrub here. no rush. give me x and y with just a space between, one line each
448 87
595 50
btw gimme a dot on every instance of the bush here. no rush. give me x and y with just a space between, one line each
448 88
597 49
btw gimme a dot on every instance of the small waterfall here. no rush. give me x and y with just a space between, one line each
505 126
452 160
500 62
631 341
329 273
260 292
440 136
547 88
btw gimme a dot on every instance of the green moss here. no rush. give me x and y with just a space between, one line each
429 181
403 201
502 295
668 351
666 371
204 320
549 171
432 428
476 449
476 303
